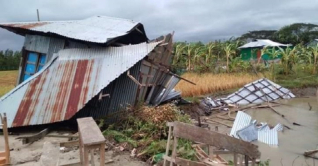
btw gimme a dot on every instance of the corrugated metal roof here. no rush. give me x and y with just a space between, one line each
259 91
269 137
242 120
263 43
68 82
98 29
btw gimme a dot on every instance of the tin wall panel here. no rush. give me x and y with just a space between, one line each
68 82
37 43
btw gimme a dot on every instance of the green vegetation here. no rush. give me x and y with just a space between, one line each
296 68
9 60
144 128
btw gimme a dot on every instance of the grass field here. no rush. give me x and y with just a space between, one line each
212 83
7 81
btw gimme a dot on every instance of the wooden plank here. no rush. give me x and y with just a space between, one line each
63 136
35 137
310 152
212 120
90 132
197 134
69 144
73 164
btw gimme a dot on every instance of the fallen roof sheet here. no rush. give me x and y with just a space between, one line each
269 137
242 120
263 43
246 129
98 29
259 91
68 82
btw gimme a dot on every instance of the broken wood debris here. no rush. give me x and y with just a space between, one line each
35 137
311 153
197 134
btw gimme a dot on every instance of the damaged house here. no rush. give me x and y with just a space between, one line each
92 67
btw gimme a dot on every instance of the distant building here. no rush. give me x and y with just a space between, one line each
252 50
313 43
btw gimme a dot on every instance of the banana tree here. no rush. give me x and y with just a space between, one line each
210 46
289 58
179 52
229 51
314 51
273 53
190 54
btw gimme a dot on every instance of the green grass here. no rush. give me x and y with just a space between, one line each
7 81
299 78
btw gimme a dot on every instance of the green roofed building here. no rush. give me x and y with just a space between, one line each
252 50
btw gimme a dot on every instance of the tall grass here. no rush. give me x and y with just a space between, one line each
7 81
210 83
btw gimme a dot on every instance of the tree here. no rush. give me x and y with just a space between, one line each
229 51
296 33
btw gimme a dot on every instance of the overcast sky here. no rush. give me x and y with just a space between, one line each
192 20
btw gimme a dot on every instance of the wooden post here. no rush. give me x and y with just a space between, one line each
174 151
246 160
38 14
241 160
168 145
6 139
81 148
235 159
102 154
86 161
92 157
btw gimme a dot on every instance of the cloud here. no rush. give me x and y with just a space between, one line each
192 20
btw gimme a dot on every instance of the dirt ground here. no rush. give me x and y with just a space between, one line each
30 154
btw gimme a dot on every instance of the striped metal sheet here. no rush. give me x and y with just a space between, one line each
69 81
278 127
98 29
269 137
242 120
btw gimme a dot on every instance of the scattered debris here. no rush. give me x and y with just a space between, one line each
257 92
311 154
310 107
133 153
248 130
209 138
35 137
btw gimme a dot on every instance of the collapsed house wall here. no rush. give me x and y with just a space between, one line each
122 94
